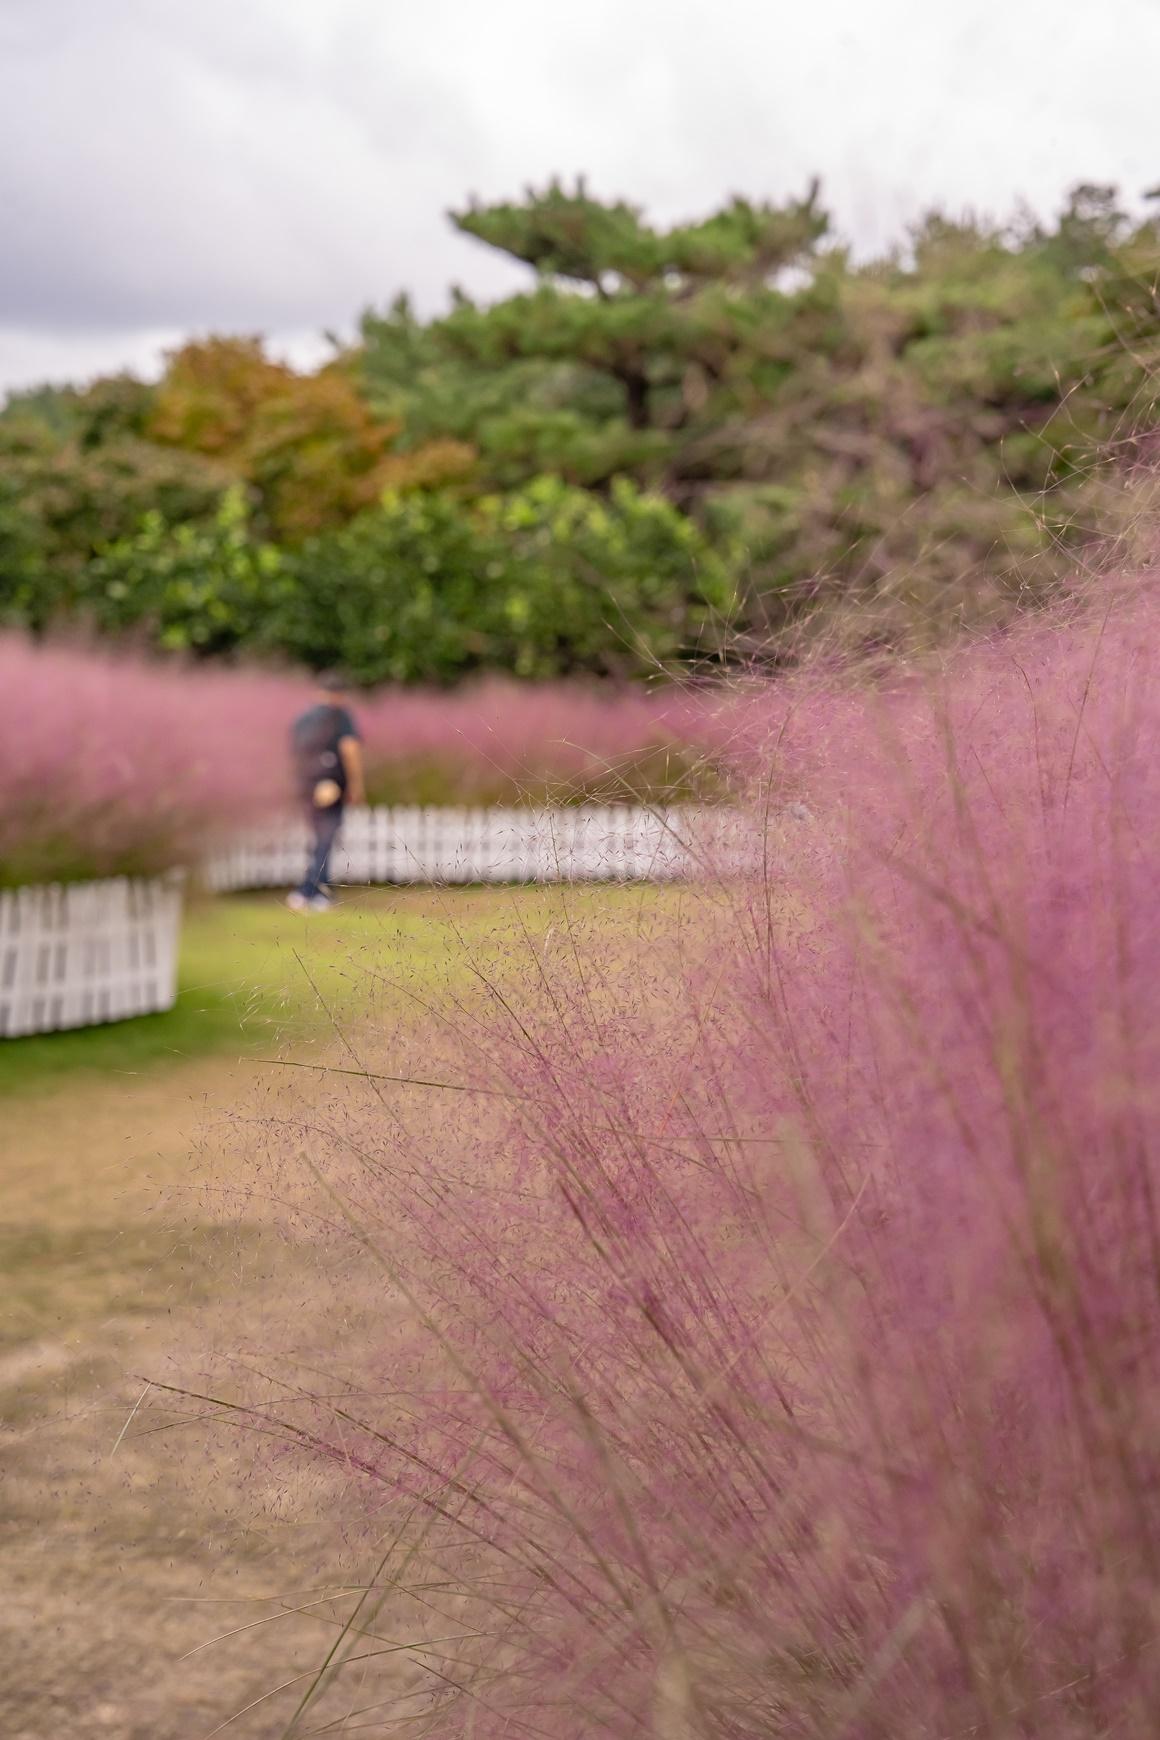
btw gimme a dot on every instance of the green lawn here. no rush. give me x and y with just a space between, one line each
254 976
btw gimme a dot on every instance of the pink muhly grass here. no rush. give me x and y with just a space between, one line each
112 764
500 741
786 1277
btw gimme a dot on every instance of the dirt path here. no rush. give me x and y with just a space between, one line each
131 1541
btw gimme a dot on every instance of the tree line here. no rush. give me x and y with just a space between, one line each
714 435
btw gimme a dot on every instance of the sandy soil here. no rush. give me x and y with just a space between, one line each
132 1540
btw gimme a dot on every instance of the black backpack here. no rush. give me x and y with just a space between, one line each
314 740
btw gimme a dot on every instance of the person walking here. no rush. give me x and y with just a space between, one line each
328 770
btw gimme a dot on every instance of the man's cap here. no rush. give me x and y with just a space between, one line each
331 682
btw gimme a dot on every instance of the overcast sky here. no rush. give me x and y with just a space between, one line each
174 166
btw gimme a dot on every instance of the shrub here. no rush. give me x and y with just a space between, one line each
64 495
547 582
197 588
787 1278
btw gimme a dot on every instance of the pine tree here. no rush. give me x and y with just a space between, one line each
663 316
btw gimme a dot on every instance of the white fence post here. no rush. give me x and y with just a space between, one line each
578 843
87 952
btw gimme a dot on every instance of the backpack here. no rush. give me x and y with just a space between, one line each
314 740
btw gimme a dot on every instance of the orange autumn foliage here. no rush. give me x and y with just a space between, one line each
309 446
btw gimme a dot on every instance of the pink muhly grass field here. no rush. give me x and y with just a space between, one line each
499 741
111 764
784 1273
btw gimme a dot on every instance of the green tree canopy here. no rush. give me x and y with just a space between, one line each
660 313
423 588
927 436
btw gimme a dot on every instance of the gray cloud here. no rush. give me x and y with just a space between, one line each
277 164
160 173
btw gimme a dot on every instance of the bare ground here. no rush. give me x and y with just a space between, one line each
132 1540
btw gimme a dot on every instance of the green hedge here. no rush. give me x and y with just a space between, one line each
550 580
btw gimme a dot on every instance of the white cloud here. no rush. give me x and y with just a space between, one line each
278 164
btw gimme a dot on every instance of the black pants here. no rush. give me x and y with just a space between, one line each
325 824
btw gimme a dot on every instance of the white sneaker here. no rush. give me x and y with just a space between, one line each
320 903
297 902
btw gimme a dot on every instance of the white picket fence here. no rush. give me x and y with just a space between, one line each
93 952
587 843
88 952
